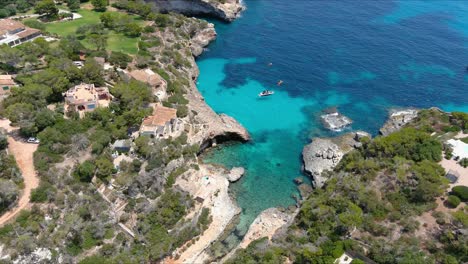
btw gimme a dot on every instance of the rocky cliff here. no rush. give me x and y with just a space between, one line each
227 10
325 153
397 119
208 127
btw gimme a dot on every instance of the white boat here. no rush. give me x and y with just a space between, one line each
265 93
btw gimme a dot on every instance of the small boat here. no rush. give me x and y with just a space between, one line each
280 82
265 93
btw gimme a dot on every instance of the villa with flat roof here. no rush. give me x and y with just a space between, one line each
14 33
460 148
162 123
85 98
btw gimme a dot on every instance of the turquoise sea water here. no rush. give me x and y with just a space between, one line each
364 57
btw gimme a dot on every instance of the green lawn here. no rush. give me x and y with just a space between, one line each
115 42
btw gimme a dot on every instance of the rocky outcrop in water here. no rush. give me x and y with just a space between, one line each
325 153
227 10
235 174
397 119
335 121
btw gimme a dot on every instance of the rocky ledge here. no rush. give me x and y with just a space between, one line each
325 153
397 119
227 10
335 121
202 39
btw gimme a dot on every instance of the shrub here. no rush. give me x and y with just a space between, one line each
461 192
463 162
33 23
85 171
453 201
40 194
3 142
182 111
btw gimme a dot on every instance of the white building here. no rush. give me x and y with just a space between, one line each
14 33
459 147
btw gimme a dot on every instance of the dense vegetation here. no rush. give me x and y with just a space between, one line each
374 200
75 157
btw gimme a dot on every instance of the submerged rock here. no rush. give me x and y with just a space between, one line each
335 121
305 190
298 180
397 119
235 174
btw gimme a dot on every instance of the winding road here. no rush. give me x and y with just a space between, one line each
23 153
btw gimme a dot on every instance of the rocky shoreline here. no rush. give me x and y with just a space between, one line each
325 153
227 10
397 119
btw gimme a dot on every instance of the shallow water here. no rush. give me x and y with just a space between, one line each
364 57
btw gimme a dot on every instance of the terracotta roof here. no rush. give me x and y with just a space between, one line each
161 115
10 25
27 32
6 80
147 76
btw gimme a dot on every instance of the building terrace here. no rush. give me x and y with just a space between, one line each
85 98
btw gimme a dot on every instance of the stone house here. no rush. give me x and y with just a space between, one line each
154 80
162 123
14 33
85 98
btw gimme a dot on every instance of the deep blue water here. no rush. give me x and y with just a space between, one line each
364 57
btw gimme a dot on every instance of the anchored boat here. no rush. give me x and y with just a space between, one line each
266 93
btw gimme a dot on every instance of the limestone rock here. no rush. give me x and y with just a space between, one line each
235 174
397 119
321 154
325 153
202 39
227 10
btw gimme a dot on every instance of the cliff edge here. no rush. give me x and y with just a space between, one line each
227 10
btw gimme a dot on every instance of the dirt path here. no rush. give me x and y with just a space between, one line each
23 153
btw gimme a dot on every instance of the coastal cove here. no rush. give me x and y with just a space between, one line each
363 57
